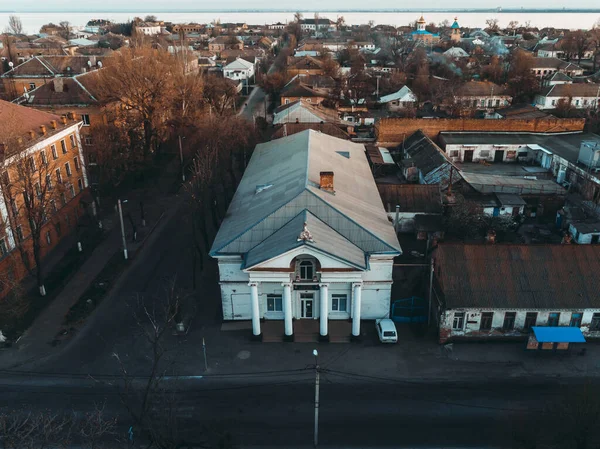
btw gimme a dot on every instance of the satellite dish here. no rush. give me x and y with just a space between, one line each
89 63
100 64
10 64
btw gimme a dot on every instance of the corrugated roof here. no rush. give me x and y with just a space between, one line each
292 167
512 184
518 276
424 153
571 90
287 129
419 198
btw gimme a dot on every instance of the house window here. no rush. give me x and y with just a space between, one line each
43 157
85 118
76 162
53 205
509 321
459 320
553 102
68 169
3 247
576 319
48 238
88 140
72 191
19 233
63 198
58 176
486 321
274 303
31 86
32 166
287 101
57 227
595 323
553 318
68 220
38 189
14 207
54 152
48 182
307 270
63 146
73 142
339 303
80 184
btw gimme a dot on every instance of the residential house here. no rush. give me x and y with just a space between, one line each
306 238
306 65
220 43
297 90
577 95
404 203
547 66
520 111
424 162
239 70
502 291
277 26
456 53
482 95
40 70
188 28
422 35
548 50
402 99
556 78
301 111
52 146
147 28
320 25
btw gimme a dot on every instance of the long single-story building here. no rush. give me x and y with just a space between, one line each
502 291
306 237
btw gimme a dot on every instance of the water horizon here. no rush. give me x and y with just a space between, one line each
472 18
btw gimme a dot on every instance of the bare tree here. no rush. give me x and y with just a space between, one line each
65 29
492 25
150 18
15 25
220 94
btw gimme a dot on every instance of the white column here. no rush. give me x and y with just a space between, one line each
356 310
255 308
324 308
287 308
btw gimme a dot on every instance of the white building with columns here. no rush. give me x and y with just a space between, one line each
306 237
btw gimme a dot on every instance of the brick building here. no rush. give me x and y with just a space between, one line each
43 181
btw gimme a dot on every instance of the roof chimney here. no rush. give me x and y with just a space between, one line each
53 124
58 84
71 115
326 182
43 129
63 119
31 134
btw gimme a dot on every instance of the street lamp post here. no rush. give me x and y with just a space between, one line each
317 381
122 227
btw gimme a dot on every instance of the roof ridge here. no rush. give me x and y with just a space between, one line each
84 88
39 58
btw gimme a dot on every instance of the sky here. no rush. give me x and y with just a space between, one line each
323 5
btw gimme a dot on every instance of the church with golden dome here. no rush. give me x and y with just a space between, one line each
421 34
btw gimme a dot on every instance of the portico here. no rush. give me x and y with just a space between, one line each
303 245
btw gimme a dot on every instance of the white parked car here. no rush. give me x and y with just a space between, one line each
386 330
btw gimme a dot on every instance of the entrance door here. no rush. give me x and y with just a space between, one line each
468 155
307 301
595 238
499 156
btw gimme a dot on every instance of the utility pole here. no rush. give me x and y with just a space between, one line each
430 292
181 159
317 381
122 228
204 351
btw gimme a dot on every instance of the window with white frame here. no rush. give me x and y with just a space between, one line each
31 86
339 302
48 182
80 184
58 176
88 140
68 169
43 157
54 152
459 320
76 162
38 189
63 146
73 141
85 118
306 270
72 191
48 238
32 166
274 303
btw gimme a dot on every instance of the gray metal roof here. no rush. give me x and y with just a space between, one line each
291 167
512 184
325 239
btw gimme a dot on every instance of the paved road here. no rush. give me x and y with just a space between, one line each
255 104
279 411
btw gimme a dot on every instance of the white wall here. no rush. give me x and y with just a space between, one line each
488 152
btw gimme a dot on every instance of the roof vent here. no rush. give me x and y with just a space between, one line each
261 187
326 181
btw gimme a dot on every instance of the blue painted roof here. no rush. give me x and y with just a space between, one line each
455 25
422 32
562 334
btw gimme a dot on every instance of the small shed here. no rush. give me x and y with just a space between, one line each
585 232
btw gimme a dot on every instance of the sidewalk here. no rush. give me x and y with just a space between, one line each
37 341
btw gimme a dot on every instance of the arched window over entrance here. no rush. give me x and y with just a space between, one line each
306 270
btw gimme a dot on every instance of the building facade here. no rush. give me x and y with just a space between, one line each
306 237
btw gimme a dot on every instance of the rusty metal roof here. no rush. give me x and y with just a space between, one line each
518 276
419 198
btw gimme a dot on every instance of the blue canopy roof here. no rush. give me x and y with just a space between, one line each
455 25
551 334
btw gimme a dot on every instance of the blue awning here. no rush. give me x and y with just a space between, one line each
552 334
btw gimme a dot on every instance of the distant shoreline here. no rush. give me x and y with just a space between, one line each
387 10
